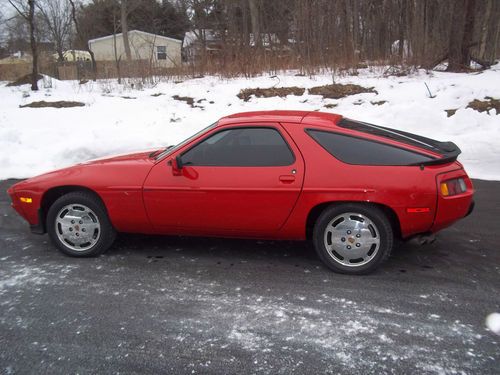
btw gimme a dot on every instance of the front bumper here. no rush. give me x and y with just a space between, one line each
39 228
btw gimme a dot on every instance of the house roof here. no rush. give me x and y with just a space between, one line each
135 32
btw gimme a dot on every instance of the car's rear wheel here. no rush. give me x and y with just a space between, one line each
79 226
353 238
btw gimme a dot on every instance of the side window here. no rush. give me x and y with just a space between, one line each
243 147
360 151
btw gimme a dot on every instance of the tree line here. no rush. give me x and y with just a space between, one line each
330 33
252 36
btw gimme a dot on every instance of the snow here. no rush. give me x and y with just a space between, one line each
118 118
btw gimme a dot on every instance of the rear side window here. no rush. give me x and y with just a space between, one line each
360 151
244 147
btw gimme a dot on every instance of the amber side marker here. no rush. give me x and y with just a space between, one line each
26 200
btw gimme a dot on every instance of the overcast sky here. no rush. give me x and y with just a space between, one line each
6 10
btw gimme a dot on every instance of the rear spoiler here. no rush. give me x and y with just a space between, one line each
448 157
448 150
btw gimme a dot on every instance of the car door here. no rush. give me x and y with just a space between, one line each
237 180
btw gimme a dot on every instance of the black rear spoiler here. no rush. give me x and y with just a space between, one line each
448 157
448 150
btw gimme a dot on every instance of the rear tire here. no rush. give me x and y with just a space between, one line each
79 226
353 238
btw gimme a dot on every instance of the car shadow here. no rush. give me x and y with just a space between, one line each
405 257
210 246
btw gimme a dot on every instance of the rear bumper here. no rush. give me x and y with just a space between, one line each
471 208
450 209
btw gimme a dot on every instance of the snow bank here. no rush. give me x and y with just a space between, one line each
117 120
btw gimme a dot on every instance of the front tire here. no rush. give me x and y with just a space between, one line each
79 226
353 238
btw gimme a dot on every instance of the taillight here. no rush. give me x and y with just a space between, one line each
453 187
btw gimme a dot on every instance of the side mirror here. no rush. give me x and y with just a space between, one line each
177 166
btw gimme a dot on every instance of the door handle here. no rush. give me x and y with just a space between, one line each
287 179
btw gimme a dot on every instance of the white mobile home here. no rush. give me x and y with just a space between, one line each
160 50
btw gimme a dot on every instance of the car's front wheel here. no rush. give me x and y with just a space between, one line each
79 226
353 238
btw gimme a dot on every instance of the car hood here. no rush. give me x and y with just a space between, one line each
129 168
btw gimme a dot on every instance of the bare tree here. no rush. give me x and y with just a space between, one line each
126 8
255 17
83 39
57 16
488 38
17 34
124 25
459 53
26 9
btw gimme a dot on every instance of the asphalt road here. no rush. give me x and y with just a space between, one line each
215 306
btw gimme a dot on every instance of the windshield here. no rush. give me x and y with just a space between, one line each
172 148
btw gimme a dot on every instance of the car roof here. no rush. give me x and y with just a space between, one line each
282 116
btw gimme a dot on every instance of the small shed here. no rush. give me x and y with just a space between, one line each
161 50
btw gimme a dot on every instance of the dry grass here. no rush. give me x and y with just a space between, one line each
450 112
24 80
337 90
485 105
58 104
186 99
246 94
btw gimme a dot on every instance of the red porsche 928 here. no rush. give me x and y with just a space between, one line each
350 187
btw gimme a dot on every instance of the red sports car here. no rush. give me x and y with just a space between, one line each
350 187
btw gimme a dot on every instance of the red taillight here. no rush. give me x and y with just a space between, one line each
453 187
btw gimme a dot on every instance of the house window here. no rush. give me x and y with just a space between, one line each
161 52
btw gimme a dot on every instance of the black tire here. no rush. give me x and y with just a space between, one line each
334 260
107 233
